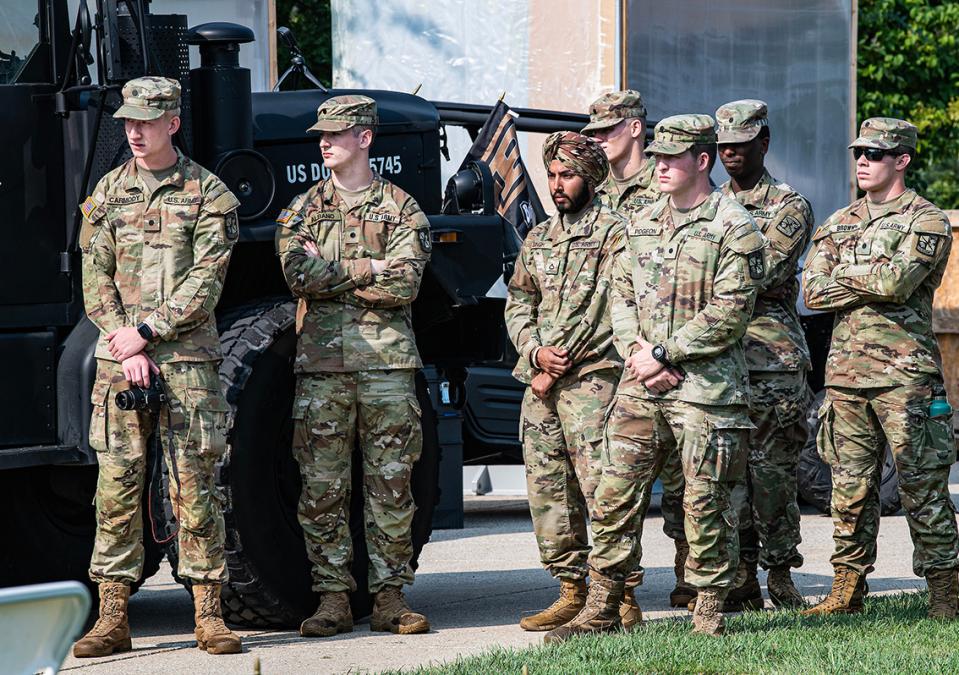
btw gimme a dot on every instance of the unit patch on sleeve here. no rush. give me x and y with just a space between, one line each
757 266
789 226
927 244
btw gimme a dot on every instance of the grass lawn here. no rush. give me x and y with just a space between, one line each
892 635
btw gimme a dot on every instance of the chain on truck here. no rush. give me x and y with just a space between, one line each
60 78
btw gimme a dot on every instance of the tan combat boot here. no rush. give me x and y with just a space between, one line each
212 635
572 599
943 594
393 615
599 615
684 593
630 615
111 632
332 616
708 616
781 589
845 597
745 593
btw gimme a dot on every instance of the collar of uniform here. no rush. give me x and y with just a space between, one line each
177 178
705 211
583 227
860 208
641 179
755 197
374 194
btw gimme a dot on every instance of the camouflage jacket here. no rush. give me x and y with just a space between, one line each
559 292
347 319
690 286
879 275
158 258
639 192
774 340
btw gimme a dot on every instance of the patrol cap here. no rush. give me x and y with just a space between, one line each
612 108
886 133
147 98
345 112
740 121
679 133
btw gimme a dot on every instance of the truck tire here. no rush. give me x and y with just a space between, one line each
49 527
815 476
270 581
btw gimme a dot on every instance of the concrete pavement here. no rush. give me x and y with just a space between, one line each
473 584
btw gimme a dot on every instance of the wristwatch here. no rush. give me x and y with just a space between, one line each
659 353
145 332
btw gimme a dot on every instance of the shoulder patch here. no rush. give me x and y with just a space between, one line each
224 203
928 244
757 265
426 239
789 226
89 209
288 218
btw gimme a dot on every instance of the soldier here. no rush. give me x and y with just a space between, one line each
353 249
683 293
877 263
558 319
777 358
618 121
156 240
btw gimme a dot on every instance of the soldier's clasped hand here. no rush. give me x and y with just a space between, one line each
541 385
554 360
138 368
125 342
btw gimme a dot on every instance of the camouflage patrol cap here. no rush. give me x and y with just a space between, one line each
679 133
612 108
147 98
740 121
344 112
886 133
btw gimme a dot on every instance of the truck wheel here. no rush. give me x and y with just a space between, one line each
49 521
815 476
260 481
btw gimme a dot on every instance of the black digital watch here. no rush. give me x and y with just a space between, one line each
659 353
145 332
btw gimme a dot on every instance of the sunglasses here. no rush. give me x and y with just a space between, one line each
872 154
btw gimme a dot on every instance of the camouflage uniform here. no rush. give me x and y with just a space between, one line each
690 286
877 266
558 296
629 197
159 258
777 357
355 363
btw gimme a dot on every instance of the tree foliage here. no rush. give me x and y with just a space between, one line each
909 68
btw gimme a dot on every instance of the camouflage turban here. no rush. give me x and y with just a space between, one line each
581 154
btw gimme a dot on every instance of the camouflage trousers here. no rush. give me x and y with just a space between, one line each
197 423
856 425
331 412
562 440
766 500
640 435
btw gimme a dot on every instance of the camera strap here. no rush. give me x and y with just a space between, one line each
157 482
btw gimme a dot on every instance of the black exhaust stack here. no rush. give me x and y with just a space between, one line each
223 116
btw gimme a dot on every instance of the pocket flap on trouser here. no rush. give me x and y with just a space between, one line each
206 399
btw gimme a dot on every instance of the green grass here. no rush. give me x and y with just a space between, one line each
892 635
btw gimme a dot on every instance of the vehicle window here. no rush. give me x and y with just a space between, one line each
19 35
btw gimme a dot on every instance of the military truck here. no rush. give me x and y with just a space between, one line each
60 77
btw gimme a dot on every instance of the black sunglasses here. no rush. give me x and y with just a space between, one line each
872 154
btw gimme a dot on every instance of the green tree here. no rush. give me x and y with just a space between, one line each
909 68
310 21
